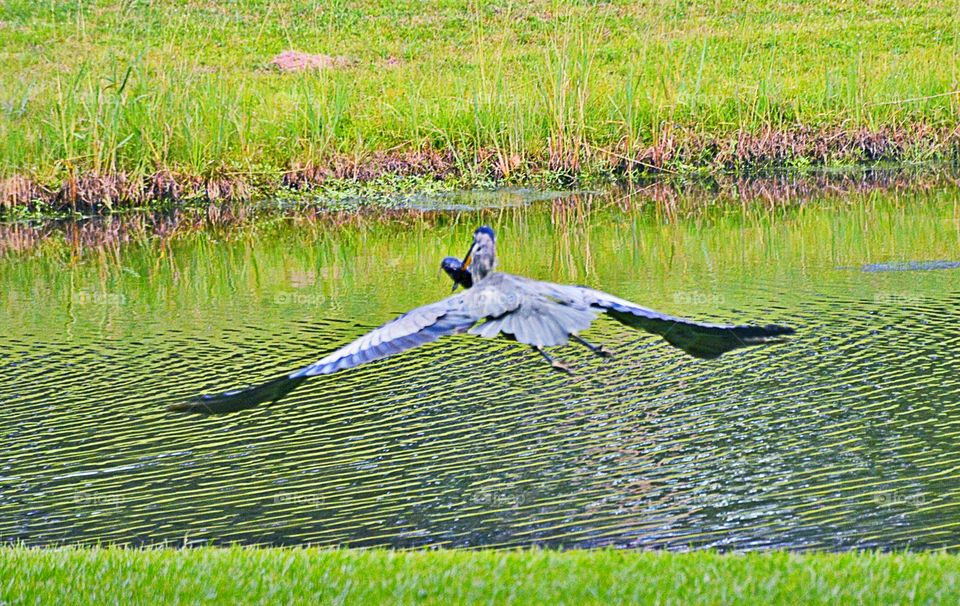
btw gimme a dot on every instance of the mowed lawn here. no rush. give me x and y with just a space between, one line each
95 87
316 576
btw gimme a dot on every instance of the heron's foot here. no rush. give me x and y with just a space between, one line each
561 366
600 350
556 364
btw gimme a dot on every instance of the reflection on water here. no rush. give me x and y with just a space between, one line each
847 436
911 266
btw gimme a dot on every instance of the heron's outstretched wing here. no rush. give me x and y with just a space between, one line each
416 327
699 339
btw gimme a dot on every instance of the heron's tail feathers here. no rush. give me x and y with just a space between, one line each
239 399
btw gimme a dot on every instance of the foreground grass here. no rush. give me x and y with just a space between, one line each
246 575
98 87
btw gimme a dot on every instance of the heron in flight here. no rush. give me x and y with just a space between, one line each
531 312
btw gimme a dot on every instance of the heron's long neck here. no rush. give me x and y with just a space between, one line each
482 264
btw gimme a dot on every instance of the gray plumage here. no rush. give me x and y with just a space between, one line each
535 313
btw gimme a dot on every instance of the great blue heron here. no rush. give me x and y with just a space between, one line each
535 313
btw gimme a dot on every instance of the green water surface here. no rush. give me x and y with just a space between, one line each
847 436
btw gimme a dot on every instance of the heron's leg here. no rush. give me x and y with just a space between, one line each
600 350
553 362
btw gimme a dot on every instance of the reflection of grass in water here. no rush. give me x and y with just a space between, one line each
465 577
366 264
188 87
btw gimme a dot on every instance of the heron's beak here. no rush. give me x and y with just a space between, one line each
467 260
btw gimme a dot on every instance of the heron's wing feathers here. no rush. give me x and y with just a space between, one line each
699 339
416 327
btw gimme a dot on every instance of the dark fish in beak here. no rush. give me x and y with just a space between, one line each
457 272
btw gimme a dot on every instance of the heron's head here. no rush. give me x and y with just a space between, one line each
454 268
482 256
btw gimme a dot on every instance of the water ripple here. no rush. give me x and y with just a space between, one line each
844 437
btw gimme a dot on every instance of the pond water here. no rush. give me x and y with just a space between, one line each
847 436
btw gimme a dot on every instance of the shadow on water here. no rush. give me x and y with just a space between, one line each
845 437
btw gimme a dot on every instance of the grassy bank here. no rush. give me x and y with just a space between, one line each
210 575
125 102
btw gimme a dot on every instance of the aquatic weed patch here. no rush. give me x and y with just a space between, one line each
410 200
